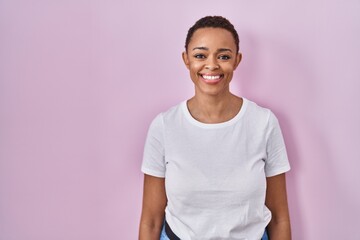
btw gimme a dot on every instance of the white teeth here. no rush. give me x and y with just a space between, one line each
211 77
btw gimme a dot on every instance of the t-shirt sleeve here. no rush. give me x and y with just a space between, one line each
154 153
276 161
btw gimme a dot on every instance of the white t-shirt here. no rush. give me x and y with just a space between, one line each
215 174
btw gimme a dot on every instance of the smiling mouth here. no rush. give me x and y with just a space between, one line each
212 79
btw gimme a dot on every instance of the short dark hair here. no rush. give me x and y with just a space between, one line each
213 22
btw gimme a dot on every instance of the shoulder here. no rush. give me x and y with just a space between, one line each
258 113
172 113
169 115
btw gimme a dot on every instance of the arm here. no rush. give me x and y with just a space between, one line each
153 208
276 201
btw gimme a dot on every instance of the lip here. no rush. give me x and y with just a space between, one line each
215 78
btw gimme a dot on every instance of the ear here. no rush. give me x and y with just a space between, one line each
238 60
185 58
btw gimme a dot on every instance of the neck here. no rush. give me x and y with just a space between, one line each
214 108
212 105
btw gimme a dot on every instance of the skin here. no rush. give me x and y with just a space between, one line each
153 208
276 201
212 52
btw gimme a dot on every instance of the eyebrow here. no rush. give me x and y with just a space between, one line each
207 49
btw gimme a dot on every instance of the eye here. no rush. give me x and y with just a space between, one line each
199 56
224 57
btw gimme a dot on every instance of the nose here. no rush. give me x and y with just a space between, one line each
211 64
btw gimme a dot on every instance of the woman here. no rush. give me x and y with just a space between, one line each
215 164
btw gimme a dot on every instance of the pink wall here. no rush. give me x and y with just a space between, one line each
81 80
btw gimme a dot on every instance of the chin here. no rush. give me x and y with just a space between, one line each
213 92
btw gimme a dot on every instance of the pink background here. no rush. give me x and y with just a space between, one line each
81 80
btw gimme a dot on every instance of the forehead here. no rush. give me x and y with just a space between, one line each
212 37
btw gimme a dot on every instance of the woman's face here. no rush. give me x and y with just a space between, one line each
211 58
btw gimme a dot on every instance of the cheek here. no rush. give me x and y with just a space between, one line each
196 64
228 68
195 67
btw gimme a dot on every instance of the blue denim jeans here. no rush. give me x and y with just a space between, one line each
163 235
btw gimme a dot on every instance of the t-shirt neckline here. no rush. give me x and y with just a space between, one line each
229 122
